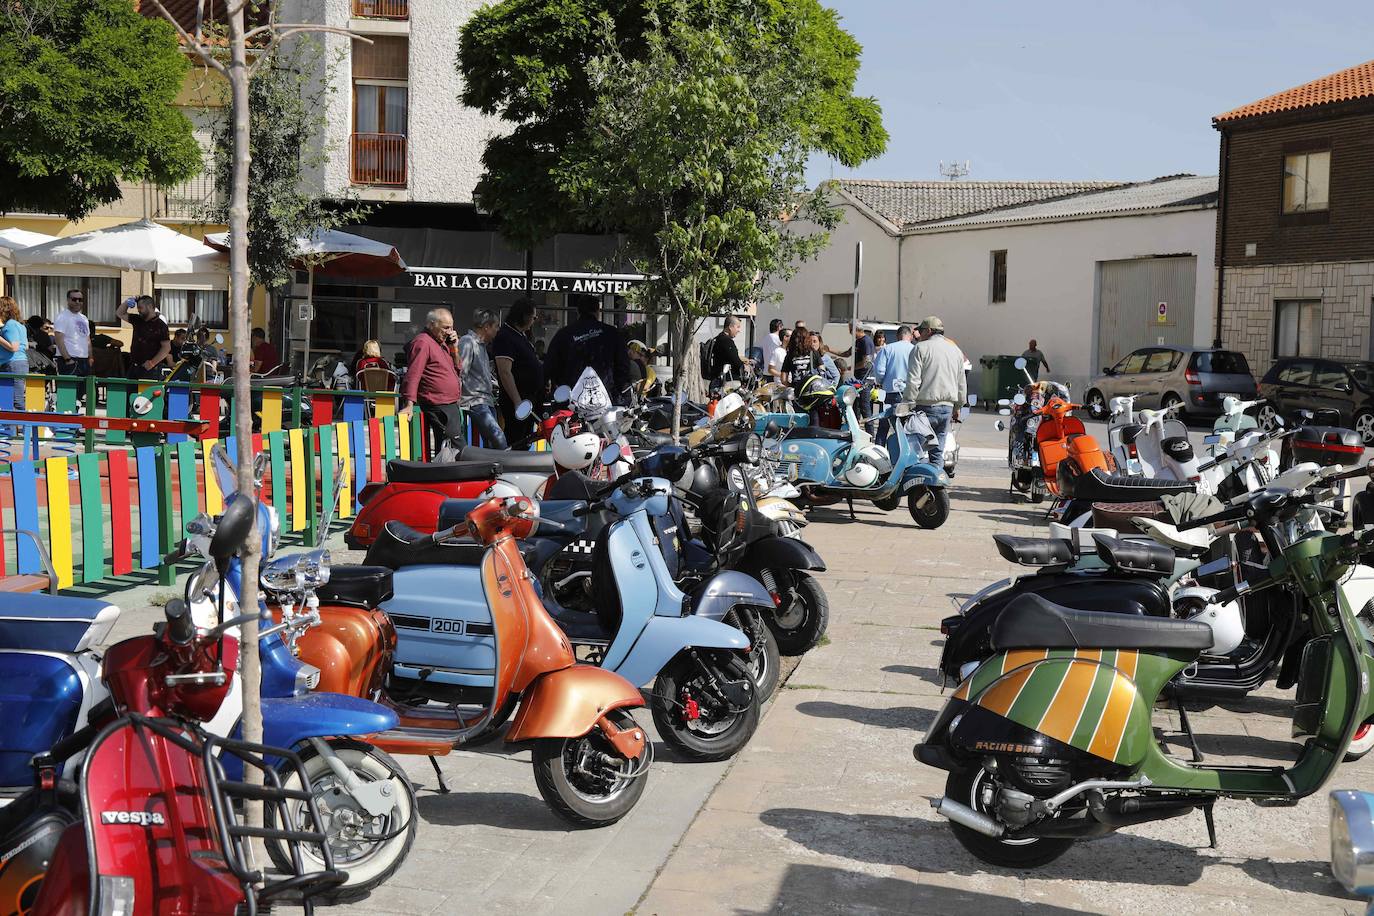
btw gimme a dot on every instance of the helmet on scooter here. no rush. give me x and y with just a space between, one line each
814 392
1228 626
861 474
574 452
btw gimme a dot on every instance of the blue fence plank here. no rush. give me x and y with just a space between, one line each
354 408
357 432
149 555
178 408
25 478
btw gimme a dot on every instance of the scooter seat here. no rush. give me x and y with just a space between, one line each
512 461
1031 622
819 432
398 471
1099 486
1034 551
1135 556
651 439
398 546
54 623
356 586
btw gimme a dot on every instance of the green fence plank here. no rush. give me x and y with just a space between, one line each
166 572
327 447
92 518
188 457
390 438
66 396
276 453
117 405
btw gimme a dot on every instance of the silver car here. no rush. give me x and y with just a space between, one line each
1160 376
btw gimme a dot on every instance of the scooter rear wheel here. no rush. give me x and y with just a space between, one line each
934 511
706 732
973 787
582 796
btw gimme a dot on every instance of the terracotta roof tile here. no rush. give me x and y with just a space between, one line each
185 12
1351 83
911 203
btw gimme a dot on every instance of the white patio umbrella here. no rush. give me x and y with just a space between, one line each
142 245
15 239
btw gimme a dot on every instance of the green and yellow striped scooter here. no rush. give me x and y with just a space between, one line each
1049 740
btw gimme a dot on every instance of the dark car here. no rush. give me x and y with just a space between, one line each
1297 383
1160 376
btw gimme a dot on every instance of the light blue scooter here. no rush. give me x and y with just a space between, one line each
704 701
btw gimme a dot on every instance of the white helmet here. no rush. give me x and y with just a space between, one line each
727 406
574 453
1228 626
862 474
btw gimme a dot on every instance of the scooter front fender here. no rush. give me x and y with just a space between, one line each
567 703
724 591
923 474
780 553
664 637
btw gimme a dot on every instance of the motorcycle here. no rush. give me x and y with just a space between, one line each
1049 741
1023 457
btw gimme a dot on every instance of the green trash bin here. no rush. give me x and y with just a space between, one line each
1000 378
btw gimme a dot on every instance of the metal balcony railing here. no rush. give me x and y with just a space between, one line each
381 9
379 159
194 199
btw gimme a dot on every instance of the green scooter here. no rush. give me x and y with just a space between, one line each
1049 740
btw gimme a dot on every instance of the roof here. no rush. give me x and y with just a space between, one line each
910 203
1168 193
1346 85
188 12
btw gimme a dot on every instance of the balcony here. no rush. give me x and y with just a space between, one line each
379 160
195 200
396 10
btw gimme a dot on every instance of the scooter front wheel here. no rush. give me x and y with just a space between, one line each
763 658
585 781
929 506
369 848
974 787
691 712
802 616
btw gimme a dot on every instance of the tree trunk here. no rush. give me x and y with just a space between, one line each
680 333
249 667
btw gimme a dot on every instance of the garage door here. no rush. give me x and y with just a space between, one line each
1129 294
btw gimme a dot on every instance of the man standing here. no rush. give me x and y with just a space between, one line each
152 342
478 399
265 357
73 332
889 371
724 353
432 378
1034 352
935 382
518 369
773 342
589 343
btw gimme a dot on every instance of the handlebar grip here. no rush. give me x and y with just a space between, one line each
183 550
74 743
1227 515
1241 589
181 629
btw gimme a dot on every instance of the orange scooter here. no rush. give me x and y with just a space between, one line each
1066 449
591 760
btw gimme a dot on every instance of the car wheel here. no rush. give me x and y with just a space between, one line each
1268 417
1364 425
1096 404
1171 400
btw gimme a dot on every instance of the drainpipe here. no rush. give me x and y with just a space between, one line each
1225 173
900 239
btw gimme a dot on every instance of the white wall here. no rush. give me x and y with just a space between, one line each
1051 281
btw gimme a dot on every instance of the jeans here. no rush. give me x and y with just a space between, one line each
939 416
16 366
444 421
484 421
77 365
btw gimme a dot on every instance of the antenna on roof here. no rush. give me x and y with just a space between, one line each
954 171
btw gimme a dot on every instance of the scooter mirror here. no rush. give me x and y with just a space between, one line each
1211 439
142 405
219 338
1019 399
999 426
1006 413
1003 402
973 400
1278 422
964 413
850 397
562 394
523 410
610 454
1020 362
234 527
260 463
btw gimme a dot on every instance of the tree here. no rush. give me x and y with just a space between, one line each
86 100
686 131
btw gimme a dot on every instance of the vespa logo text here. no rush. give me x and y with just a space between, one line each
446 626
138 818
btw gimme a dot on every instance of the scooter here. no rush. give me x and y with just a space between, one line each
153 825
848 464
645 628
1050 741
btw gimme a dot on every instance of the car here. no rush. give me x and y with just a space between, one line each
1298 383
1197 378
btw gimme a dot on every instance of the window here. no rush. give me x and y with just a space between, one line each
999 276
1160 361
839 306
208 305
1306 181
1330 376
1296 373
1297 327
1133 363
48 295
381 116
1221 362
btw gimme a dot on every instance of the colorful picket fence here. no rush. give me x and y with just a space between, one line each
112 513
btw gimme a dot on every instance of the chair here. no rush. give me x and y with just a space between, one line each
376 378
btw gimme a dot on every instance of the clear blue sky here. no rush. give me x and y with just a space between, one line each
1064 89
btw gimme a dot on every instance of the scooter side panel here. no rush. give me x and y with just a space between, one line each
40 703
664 637
639 570
442 623
815 460
347 647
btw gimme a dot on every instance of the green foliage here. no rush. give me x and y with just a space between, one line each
87 92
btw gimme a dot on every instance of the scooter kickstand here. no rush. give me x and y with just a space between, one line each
1211 825
443 786
1188 730
852 516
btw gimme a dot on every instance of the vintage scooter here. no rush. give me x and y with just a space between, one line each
152 825
830 465
1050 740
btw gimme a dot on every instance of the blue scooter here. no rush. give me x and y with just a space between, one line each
829 465
705 702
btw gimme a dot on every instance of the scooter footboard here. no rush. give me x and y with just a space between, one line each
567 703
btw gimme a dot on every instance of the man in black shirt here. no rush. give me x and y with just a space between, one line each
151 343
589 343
724 353
518 370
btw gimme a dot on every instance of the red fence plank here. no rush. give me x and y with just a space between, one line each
121 516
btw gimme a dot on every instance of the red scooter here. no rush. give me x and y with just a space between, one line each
152 826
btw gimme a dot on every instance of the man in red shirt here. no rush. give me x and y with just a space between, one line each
432 368
265 357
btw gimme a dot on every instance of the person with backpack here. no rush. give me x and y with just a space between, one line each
724 354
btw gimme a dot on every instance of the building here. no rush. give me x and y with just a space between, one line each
1295 236
1083 267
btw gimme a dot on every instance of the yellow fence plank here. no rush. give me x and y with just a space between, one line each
214 497
298 494
271 411
60 519
346 475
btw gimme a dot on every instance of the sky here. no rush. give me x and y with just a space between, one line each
1063 89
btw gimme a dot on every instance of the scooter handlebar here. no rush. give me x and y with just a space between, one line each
1234 514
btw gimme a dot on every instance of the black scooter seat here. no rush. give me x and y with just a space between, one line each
512 461
399 546
1031 622
1135 556
1101 487
356 586
818 432
398 471
1034 551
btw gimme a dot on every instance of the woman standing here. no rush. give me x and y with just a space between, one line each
14 341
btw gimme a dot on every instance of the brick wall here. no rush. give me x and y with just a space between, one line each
1345 289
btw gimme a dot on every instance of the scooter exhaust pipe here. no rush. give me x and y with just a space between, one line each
967 817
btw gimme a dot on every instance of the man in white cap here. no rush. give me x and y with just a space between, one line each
935 383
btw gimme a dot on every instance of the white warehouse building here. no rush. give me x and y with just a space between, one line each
1091 270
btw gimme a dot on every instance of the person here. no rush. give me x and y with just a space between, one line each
479 399
1033 351
14 340
774 341
890 366
879 341
724 353
518 369
179 338
640 354
779 355
589 343
265 356
796 365
41 339
73 332
152 341
862 350
935 382
369 356
432 381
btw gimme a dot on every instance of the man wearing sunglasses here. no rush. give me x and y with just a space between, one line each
73 336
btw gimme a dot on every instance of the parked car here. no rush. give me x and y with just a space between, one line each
1297 383
1161 376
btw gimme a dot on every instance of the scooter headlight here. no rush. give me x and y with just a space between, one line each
281 575
753 448
313 568
1352 840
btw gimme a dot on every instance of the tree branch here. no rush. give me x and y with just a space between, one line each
195 43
